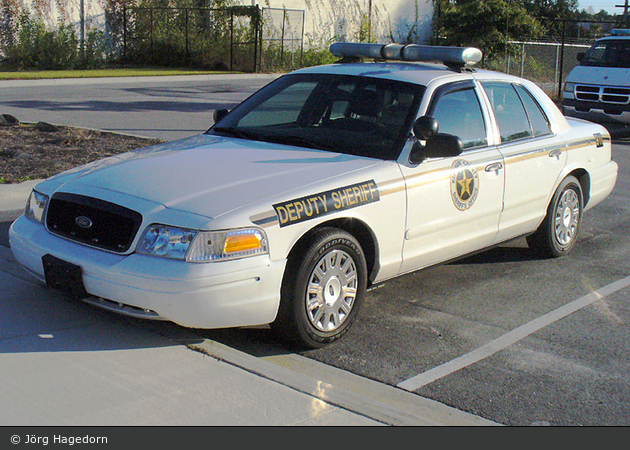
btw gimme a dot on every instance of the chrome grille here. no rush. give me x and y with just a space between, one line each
606 94
92 221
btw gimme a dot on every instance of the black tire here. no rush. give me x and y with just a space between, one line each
333 264
558 233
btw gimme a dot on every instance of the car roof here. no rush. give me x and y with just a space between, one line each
424 74
411 72
614 38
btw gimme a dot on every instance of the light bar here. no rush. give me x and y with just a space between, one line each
620 32
410 52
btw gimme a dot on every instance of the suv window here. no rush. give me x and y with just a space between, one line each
517 113
608 53
458 112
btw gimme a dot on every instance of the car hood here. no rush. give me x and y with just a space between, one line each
603 76
208 175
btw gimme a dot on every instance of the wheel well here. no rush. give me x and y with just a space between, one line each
585 182
356 228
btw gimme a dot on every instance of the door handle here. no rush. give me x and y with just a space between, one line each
494 167
555 154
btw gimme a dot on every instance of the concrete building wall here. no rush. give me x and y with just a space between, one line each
403 21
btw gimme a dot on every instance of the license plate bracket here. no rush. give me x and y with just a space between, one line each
64 276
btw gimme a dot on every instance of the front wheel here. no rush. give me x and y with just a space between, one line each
323 289
558 233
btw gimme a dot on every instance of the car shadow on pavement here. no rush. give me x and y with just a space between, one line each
34 318
257 341
513 251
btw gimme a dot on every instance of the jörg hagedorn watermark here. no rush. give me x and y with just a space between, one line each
58 439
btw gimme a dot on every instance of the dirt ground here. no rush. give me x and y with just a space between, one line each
34 151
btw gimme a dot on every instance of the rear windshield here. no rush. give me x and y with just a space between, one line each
608 53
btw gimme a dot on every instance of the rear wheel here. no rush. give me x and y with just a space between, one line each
323 289
558 233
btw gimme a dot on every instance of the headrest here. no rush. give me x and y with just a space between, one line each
366 102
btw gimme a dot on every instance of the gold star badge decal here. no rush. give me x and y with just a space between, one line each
464 180
464 184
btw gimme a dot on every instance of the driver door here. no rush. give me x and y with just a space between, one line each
453 203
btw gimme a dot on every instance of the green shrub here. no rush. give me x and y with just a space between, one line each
37 47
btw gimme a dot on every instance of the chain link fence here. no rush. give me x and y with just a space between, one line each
241 38
547 61
217 39
282 39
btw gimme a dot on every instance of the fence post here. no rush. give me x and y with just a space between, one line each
564 30
186 31
284 19
151 31
231 40
125 32
257 26
302 39
522 59
557 73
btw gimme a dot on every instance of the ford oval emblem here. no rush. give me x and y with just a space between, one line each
83 222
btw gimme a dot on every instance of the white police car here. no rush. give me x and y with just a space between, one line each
323 183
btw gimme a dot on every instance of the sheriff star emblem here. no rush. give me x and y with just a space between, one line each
464 184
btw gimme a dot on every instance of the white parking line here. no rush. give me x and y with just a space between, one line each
510 338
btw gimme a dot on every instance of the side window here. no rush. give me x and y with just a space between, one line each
459 113
508 110
537 118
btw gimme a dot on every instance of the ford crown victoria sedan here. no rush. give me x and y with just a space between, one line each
327 181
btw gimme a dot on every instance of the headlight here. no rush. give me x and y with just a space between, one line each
165 241
36 206
202 246
569 87
225 245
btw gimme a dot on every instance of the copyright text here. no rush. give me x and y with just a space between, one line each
57 439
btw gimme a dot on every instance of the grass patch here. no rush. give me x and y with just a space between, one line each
101 73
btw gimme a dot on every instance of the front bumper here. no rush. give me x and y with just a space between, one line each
596 111
212 295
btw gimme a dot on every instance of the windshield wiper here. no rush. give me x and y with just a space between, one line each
277 139
296 140
236 132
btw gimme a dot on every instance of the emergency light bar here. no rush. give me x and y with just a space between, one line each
620 32
460 56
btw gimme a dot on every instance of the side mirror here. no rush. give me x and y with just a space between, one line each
425 127
439 146
580 56
219 114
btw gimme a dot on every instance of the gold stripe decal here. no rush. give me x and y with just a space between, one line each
316 205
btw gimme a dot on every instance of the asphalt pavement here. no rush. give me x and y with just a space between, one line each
66 363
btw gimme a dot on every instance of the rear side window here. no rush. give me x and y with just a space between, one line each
537 118
517 113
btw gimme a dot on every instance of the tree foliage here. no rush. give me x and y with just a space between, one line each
486 24
554 15
491 24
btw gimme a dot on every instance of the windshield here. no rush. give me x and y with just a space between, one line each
608 53
344 114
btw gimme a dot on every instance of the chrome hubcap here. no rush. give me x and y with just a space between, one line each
567 217
331 291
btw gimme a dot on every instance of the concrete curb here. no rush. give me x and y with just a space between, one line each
120 80
14 196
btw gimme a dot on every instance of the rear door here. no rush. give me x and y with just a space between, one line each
534 156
